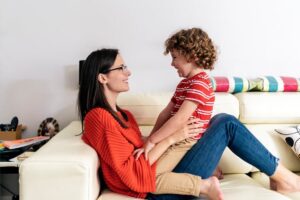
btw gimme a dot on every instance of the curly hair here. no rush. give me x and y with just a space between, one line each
193 44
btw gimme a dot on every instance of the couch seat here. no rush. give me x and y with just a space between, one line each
234 186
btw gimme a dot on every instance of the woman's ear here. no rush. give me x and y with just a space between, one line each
102 78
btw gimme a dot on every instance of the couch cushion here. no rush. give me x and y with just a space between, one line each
267 136
235 187
241 186
269 107
146 106
226 103
109 195
232 164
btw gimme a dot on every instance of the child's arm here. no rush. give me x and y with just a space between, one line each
163 116
174 123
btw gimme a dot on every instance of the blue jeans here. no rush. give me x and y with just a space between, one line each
224 131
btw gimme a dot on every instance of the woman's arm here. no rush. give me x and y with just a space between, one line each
190 129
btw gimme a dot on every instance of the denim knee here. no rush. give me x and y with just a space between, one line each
223 117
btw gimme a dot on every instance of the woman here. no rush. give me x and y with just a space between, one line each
114 134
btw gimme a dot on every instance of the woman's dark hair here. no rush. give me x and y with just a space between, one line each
91 92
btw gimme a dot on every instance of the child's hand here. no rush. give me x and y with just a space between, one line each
191 129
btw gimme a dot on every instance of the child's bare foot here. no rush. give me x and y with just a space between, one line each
293 185
285 181
211 188
273 185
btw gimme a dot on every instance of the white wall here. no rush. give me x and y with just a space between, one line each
42 41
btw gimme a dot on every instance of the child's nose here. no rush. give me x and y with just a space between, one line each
173 63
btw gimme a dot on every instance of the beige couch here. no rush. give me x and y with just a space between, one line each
66 168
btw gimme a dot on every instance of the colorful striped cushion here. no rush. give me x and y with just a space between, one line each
231 84
277 84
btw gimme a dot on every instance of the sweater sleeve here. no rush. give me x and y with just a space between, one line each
116 150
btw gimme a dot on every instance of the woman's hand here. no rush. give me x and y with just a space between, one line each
138 152
145 149
191 129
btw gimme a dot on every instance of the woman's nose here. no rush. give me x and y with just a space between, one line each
128 72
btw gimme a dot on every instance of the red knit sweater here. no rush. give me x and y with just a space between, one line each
115 145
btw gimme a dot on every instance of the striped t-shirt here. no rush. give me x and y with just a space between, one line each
198 89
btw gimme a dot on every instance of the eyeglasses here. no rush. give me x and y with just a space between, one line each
122 67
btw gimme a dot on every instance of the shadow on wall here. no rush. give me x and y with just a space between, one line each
71 77
67 114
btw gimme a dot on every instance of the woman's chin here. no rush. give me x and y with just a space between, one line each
126 89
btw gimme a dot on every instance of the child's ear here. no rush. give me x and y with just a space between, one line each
192 59
102 78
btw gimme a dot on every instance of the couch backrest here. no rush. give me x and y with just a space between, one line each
269 107
146 106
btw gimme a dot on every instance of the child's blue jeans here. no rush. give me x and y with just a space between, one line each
224 131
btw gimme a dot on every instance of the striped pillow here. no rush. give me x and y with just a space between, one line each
277 84
231 84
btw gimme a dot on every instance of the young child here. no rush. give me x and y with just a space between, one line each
192 53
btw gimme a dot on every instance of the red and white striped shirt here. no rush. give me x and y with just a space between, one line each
198 89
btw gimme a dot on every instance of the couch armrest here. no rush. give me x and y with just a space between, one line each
64 168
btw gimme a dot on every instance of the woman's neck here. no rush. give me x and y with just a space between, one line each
112 99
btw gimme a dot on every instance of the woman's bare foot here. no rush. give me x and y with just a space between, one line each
285 180
211 188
